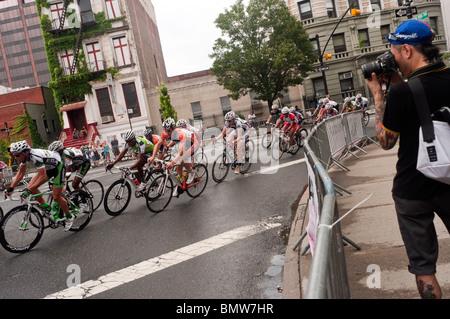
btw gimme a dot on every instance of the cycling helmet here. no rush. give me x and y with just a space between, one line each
347 100
148 132
56 146
181 123
274 107
230 115
19 147
292 109
328 106
169 123
358 96
353 98
321 101
326 100
129 135
285 110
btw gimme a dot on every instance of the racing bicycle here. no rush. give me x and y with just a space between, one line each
159 193
22 227
118 195
228 159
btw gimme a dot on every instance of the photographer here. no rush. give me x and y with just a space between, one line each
416 197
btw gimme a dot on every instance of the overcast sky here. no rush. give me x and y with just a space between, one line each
188 32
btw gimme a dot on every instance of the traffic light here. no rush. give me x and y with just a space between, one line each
327 56
355 12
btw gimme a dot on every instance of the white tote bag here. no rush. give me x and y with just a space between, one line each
433 159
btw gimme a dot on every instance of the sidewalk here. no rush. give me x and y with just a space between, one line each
373 226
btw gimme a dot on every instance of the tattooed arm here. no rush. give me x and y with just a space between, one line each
386 138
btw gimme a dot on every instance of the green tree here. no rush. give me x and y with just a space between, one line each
263 49
166 107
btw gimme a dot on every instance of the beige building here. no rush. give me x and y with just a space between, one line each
356 40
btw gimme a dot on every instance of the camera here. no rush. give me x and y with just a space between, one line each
384 64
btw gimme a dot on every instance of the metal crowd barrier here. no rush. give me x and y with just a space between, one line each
325 145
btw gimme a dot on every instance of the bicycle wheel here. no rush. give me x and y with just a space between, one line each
249 149
220 168
1 213
80 205
266 140
95 188
198 185
365 119
159 194
117 197
200 156
17 235
303 135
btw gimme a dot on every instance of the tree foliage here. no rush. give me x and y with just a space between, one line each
166 107
263 49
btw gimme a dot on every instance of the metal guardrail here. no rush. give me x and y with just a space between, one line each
325 145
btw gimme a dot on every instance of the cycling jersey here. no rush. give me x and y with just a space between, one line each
43 158
74 157
142 146
299 117
289 118
196 131
54 166
363 103
155 140
275 114
239 124
189 144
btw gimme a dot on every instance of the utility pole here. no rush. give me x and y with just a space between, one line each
325 85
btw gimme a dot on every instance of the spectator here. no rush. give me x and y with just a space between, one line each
83 132
252 119
75 133
106 154
115 146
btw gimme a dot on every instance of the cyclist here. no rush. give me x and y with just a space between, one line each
361 102
188 146
49 165
183 124
289 122
74 160
318 108
155 139
348 106
299 117
274 114
329 111
237 132
143 148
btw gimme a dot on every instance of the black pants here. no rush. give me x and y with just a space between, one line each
415 218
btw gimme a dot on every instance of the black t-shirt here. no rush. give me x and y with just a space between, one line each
401 117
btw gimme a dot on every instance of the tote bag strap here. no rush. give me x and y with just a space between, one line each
423 111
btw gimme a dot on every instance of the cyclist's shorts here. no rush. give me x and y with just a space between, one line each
58 174
191 148
286 125
83 169
244 136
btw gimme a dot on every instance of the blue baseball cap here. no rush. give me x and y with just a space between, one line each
413 32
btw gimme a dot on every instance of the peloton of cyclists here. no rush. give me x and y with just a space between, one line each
49 165
143 148
237 132
361 102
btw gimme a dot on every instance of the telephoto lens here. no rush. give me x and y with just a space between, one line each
384 64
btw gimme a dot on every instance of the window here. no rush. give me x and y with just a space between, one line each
131 100
339 43
346 81
197 110
376 5
400 3
319 87
122 51
304 7
384 30
226 104
95 58
67 61
55 13
354 4
434 24
315 47
331 9
104 105
112 9
363 37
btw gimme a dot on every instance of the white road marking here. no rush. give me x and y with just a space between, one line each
153 265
